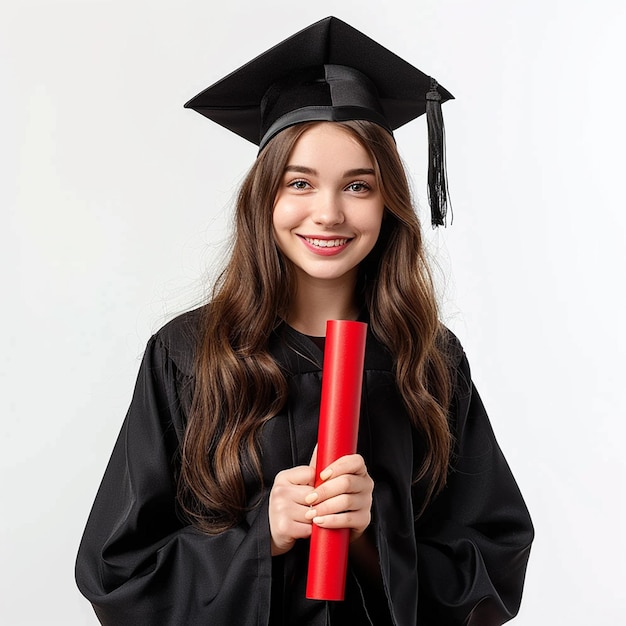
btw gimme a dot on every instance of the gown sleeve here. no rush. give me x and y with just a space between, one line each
474 540
138 563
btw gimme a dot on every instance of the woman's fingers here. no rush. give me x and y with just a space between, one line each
359 505
349 464
342 500
339 504
356 521
303 475
288 507
346 475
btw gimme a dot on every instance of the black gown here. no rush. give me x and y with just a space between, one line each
462 562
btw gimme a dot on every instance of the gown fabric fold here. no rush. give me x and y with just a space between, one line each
462 562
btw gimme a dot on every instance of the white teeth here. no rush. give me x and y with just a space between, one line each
326 243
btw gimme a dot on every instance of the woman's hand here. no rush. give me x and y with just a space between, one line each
288 507
342 500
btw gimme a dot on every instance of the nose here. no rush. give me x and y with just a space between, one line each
327 210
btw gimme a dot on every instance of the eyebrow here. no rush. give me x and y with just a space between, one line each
359 171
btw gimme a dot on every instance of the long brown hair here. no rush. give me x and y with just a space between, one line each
239 386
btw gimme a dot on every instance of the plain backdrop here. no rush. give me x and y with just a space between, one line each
116 205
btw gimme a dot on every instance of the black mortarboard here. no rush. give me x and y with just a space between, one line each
330 72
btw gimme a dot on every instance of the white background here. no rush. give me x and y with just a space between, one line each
115 205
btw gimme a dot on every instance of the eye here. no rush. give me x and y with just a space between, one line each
358 187
298 184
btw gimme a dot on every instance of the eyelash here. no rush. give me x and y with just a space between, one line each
360 183
294 184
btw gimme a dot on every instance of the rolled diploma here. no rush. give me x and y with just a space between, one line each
342 380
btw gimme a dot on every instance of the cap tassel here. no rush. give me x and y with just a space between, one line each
437 177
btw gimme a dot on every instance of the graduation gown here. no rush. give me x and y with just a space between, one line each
462 562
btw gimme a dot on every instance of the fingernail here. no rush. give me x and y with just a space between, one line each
311 498
326 474
310 514
318 520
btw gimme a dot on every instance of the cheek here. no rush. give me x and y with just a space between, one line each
282 223
371 220
284 214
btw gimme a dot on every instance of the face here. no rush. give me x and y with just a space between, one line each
328 209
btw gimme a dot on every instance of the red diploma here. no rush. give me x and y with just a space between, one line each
342 379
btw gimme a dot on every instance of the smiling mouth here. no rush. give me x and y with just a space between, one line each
326 243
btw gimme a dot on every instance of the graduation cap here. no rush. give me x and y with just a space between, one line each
330 72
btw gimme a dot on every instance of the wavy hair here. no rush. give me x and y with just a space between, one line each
239 386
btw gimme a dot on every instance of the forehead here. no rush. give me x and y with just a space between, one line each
329 142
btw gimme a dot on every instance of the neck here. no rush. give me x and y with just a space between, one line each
317 301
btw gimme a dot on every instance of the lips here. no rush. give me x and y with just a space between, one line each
325 246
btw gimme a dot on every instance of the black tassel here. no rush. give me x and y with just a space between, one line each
437 177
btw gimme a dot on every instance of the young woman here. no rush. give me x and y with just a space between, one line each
207 504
